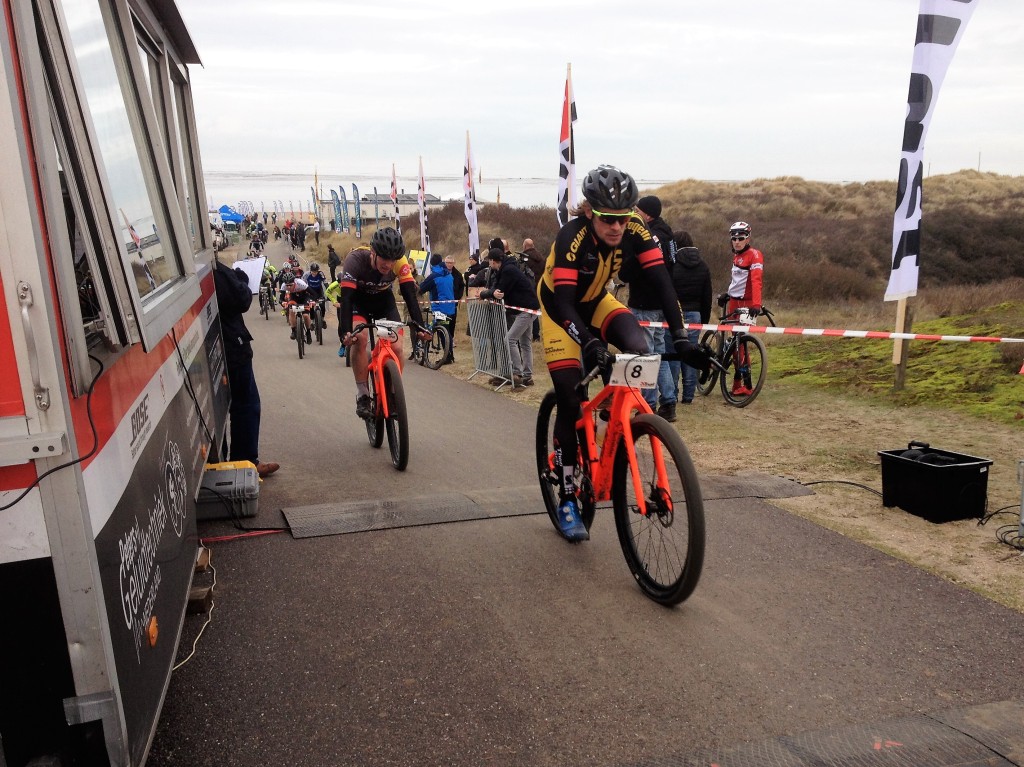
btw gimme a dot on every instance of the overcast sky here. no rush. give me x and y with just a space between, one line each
666 90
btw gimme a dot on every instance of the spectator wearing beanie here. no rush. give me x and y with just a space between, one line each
649 209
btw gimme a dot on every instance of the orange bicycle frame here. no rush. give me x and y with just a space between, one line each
624 402
382 349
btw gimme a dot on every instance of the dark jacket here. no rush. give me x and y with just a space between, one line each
333 259
474 269
458 284
536 263
663 233
692 280
234 299
518 289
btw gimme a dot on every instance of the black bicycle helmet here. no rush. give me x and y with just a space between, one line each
287 278
314 267
387 243
608 187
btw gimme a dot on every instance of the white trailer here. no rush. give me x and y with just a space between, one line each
113 392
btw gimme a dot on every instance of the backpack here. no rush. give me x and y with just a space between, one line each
524 266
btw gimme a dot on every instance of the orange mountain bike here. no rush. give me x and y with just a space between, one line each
644 468
386 391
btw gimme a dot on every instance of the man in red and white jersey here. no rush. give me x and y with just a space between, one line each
744 290
747 270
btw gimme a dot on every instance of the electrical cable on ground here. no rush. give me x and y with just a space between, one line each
209 618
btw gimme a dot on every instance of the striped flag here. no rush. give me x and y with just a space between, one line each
421 199
567 192
467 185
359 215
394 199
940 24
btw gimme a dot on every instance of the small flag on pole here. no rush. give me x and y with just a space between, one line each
421 198
567 192
470 206
394 198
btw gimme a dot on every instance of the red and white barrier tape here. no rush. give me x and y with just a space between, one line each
826 332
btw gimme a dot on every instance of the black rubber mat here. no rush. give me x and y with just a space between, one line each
365 515
990 735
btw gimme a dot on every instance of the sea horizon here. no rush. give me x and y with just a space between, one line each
266 190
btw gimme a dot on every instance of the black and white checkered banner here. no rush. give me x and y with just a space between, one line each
940 24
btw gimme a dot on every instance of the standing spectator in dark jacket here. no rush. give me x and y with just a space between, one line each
333 261
536 263
645 303
234 298
459 289
692 280
512 286
649 209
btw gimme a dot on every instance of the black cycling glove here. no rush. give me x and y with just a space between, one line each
595 350
694 355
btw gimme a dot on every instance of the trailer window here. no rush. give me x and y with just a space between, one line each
147 251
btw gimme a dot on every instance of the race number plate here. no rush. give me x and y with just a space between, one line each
636 371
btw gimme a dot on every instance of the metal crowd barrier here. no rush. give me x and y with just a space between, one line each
489 333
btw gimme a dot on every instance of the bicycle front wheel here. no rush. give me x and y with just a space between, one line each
662 532
300 337
318 318
547 472
713 341
397 423
436 350
750 367
375 424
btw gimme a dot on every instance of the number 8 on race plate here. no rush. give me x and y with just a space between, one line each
635 370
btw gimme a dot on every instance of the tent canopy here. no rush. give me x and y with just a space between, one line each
229 214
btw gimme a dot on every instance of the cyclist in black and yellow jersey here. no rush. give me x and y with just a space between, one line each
579 314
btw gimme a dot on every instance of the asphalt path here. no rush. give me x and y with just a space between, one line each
495 642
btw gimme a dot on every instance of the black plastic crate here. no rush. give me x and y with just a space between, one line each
937 485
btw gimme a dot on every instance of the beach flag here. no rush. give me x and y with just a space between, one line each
470 205
315 210
344 209
337 210
394 199
421 199
131 231
940 24
567 192
376 209
359 216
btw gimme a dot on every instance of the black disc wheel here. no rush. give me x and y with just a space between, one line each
749 370
661 523
397 421
712 341
547 472
436 350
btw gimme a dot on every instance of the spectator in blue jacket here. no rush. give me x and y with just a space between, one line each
441 286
